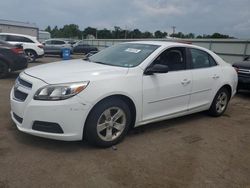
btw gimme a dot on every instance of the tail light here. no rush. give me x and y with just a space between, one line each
17 50
40 46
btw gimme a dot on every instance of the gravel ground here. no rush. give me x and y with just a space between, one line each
192 151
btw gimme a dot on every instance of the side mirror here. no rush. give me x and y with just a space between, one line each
156 68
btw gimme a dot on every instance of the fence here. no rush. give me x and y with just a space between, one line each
231 50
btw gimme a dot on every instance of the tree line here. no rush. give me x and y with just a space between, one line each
73 31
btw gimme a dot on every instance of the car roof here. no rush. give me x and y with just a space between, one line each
169 44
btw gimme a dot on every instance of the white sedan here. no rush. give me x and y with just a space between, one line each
123 86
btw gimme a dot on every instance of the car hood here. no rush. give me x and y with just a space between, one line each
74 71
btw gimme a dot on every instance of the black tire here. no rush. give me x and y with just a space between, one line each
216 108
91 134
3 69
31 55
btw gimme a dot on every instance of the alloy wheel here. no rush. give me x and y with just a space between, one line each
31 56
221 102
111 124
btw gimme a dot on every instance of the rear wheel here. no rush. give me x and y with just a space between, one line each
3 69
31 55
220 103
108 123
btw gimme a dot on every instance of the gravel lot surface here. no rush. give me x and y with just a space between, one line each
192 151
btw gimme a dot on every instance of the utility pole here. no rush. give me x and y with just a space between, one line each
173 29
125 36
96 33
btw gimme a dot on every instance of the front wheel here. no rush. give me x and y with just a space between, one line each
108 123
220 103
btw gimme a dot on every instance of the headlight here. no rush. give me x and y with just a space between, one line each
60 91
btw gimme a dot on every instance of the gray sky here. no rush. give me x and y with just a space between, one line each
230 17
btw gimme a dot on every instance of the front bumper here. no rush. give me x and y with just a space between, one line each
243 82
69 114
40 56
39 52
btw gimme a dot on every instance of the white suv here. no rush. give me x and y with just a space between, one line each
123 86
32 47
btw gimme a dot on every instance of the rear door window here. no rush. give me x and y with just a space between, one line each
14 38
58 42
201 59
3 37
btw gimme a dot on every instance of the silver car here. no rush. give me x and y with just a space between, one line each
55 46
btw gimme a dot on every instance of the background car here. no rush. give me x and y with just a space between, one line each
243 70
55 46
32 47
12 58
71 41
86 57
83 48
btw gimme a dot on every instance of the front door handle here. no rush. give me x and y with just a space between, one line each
185 82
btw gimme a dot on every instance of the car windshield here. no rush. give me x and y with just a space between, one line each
124 55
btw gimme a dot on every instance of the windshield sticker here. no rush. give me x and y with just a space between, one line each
132 50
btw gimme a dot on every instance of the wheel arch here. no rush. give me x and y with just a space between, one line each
29 49
122 97
229 89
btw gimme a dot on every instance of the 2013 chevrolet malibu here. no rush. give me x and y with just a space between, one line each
123 86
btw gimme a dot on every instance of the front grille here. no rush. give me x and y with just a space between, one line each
24 83
19 119
20 95
244 72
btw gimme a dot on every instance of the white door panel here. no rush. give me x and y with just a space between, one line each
205 84
165 94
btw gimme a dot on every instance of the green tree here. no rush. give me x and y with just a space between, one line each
90 31
147 34
70 31
104 34
55 32
116 33
159 34
135 34
178 35
48 29
219 36
190 36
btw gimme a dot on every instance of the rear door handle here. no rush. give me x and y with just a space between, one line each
185 82
216 76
